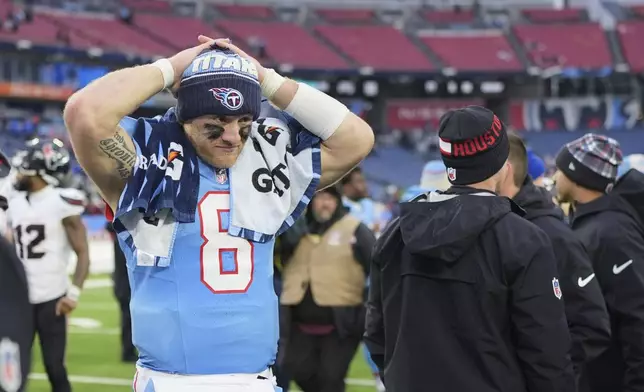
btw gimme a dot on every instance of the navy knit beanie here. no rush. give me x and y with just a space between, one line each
473 143
218 82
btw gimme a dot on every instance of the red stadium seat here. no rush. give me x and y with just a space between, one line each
39 31
346 15
638 10
488 51
113 34
246 11
449 16
581 45
184 30
631 34
381 47
300 49
160 6
545 15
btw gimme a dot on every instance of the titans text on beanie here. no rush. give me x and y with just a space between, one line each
221 83
473 143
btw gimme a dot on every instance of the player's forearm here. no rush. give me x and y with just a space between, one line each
346 138
82 269
103 103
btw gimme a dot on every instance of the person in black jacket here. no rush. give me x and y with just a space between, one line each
464 292
16 316
608 217
584 303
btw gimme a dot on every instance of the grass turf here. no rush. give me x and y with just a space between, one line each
93 353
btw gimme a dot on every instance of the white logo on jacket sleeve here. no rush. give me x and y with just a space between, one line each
556 288
10 372
583 282
618 269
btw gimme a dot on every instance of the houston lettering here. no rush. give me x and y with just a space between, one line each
480 143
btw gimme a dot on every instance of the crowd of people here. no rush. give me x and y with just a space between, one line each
247 233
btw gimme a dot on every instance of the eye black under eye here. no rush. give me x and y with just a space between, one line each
212 127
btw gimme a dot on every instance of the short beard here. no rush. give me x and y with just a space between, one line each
22 185
564 198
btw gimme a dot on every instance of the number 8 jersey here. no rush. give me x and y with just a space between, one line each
40 239
213 309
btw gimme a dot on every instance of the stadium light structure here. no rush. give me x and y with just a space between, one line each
370 88
345 87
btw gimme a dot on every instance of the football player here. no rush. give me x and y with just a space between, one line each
204 309
46 227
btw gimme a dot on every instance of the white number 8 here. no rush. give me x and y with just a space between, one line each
217 242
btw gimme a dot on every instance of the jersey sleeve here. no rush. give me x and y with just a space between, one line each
129 125
71 202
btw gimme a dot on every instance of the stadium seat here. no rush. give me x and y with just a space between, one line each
39 31
184 30
472 51
245 11
394 165
300 49
160 6
582 45
381 47
332 15
638 11
631 34
112 34
550 15
465 16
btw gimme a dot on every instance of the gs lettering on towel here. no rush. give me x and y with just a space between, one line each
472 146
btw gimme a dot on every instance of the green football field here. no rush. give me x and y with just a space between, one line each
93 349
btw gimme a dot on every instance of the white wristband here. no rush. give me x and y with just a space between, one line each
317 112
167 70
271 83
74 293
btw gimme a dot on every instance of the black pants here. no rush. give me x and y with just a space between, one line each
128 353
319 363
52 333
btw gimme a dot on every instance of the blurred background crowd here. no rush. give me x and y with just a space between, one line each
552 70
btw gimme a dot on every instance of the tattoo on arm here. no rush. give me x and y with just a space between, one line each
117 149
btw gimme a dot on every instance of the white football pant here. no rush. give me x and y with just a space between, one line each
147 380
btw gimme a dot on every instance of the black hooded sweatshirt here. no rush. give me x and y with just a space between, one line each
465 298
16 315
583 300
612 230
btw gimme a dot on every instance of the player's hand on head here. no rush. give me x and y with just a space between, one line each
226 44
183 59
65 306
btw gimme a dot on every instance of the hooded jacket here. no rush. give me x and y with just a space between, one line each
16 314
465 297
612 230
583 300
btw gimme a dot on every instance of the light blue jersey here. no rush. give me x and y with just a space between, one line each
213 309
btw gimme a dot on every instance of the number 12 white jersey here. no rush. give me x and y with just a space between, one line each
40 238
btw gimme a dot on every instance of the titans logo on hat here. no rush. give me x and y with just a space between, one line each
229 97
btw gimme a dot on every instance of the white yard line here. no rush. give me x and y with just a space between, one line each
361 382
98 283
94 331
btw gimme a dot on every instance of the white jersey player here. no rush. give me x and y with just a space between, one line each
46 226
